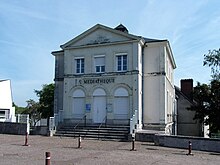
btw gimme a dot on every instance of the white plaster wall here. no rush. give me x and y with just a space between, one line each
159 93
169 85
5 94
154 85
59 65
129 81
186 125
140 86
89 53
151 100
151 85
6 99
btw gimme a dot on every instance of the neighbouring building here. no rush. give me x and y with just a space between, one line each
109 75
186 125
7 111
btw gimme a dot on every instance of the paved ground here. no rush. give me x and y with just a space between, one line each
64 151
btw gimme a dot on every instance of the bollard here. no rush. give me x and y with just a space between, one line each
26 140
132 144
190 148
79 142
47 160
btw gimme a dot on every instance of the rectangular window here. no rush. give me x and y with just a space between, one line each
100 64
2 115
122 62
80 65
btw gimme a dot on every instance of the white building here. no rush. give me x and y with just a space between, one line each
106 74
7 111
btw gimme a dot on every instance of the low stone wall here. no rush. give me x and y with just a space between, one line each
39 130
13 128
145 137
202 144
198 143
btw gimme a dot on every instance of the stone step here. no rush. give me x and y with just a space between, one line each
108 132
90 133
93 133
95 127
89 136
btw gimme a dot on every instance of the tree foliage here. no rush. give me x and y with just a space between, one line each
33 109
46 100
207 105
39 109
212 59
207 96
18 110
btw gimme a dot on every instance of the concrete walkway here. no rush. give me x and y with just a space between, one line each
64 151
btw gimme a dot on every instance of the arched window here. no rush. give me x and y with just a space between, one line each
99 105
121 103
99 92
78 104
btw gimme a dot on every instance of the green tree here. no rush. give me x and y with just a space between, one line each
207 105
18 110
33 109
212 59
207 96
46 100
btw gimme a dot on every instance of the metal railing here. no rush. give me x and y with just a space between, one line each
80 121
215 135
24 118
133 123
104 119
51 123
100 125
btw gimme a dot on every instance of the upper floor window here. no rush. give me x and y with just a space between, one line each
100 64
80 65
122 62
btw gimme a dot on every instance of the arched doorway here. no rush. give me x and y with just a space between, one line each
121 103
78 104
99 105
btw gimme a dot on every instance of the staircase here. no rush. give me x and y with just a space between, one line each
108 132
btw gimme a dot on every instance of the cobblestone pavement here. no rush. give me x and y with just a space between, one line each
64 151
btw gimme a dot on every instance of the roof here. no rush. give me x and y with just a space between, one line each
149 40
120 29
99 26
4 80
59 52
178 91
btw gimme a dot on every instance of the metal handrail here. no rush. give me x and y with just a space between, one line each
100 125
104 119
84 117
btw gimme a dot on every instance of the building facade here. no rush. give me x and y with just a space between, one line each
186 124
106 75
7 111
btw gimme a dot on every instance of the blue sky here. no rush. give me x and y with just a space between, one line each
31 30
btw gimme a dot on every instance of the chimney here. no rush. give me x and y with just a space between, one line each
187 87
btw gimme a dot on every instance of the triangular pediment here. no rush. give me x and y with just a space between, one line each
99 34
